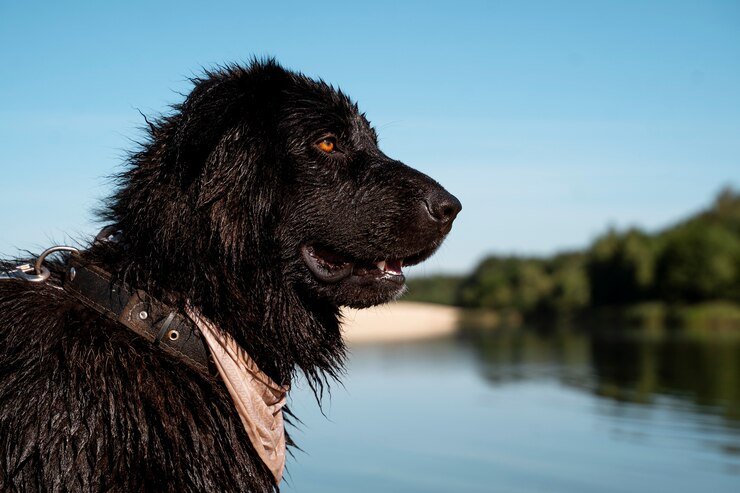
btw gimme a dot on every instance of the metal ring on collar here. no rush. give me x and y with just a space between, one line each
59 248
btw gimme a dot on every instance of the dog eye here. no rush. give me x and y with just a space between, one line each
327 144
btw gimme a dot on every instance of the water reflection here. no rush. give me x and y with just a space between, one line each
527 411
701 371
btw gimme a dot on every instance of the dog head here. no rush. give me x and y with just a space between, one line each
283 176
357 216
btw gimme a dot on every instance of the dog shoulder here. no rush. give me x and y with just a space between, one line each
72 381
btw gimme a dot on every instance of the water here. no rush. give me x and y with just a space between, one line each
522 411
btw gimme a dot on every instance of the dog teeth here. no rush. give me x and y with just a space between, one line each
390 266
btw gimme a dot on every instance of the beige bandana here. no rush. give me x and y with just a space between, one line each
258 399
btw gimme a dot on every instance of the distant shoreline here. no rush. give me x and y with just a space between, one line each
399 321
405 321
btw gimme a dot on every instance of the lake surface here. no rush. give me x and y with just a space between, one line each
527 411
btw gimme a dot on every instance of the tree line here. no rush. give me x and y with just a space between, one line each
694 261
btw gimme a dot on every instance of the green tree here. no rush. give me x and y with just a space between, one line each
434 289
621 268
700 262
508 282
571 290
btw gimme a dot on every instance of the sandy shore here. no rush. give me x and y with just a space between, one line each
399 321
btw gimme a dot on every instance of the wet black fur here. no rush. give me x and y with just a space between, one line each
214 208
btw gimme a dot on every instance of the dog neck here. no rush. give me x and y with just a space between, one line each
283 331
258 400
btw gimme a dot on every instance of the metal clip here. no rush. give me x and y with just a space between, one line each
26 272
36 272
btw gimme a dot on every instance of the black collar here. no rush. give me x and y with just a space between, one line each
155 321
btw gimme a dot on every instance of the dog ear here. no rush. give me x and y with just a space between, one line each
219 104
231 164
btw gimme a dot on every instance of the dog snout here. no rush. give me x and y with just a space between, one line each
442 207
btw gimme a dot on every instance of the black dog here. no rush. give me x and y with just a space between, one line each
263 201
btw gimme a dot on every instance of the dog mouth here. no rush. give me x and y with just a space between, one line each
331 267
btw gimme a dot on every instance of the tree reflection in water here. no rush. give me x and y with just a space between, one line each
702 371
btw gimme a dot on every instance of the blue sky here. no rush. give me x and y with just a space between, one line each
549 120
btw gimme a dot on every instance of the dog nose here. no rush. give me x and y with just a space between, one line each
442 206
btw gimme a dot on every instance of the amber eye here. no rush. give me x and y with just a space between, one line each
327 145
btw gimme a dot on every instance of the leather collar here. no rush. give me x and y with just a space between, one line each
155 321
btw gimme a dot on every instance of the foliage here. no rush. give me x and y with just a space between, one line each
571 290
621 267
508 282
434 289
699 262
